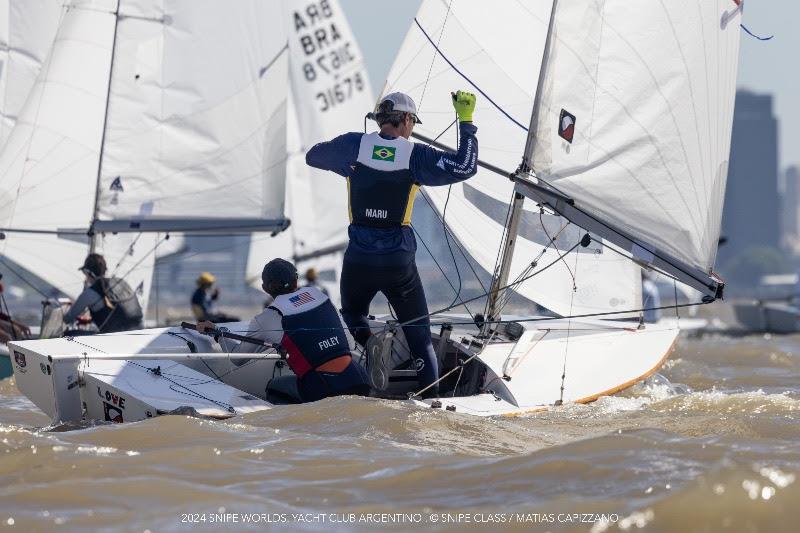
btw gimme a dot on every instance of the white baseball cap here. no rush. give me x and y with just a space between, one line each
401 102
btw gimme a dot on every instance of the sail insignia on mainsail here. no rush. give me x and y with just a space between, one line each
646 169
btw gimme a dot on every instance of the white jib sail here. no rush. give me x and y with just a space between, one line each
634 120
330 94
27 30
48 167
195 137
497 54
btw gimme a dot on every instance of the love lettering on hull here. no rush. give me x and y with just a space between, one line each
327 53
114 399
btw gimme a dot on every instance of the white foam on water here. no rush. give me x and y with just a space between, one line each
749 402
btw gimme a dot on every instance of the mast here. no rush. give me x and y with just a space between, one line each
92 234
512 224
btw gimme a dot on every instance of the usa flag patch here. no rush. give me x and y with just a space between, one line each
300 299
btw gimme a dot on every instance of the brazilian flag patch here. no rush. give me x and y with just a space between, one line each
383 153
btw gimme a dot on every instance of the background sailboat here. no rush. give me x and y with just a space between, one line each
329 94
127 132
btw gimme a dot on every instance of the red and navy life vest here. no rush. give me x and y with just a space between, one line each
312 330
381 189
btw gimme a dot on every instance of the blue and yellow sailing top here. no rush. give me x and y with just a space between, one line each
383 177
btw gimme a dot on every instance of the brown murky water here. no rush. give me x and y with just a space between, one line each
717 449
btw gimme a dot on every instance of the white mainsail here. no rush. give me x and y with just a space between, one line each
181 105
48 167
195 138
27 30
497 53
637 133
330 94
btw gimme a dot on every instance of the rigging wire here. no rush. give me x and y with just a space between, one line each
444 274
553 240
23 278
569 327
677 313
436 51
488 98
455 240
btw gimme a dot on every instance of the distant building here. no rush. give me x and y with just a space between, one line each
790 204
751 216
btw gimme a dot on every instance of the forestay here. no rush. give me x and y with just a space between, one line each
497 53
634 121
196 128
329 95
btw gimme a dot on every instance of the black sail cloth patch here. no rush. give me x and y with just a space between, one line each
566 126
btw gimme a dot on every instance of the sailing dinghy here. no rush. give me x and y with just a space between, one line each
612 121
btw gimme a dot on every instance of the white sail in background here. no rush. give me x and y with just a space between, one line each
645 91
497 54
48 166
195 138
330 94
27 30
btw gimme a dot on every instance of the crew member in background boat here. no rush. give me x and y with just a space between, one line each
650 299
112 304
306 324
384 171
204 300
10 329
312 280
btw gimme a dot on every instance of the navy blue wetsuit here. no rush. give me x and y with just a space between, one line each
382 258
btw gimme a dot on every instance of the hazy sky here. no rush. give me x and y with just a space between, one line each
766 67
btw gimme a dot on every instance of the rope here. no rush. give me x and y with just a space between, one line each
157 371
457 292
488 98
751 34
186 390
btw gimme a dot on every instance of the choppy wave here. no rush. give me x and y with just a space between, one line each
709 445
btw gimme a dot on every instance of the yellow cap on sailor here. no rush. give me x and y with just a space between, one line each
206 278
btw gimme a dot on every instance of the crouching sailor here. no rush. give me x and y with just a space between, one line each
111 302
384 171
306 324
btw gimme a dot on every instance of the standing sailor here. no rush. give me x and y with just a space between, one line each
305 323
384 171
111 302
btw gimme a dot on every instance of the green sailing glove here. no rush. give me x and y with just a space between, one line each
464 104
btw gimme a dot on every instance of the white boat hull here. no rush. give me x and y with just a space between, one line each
72 379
